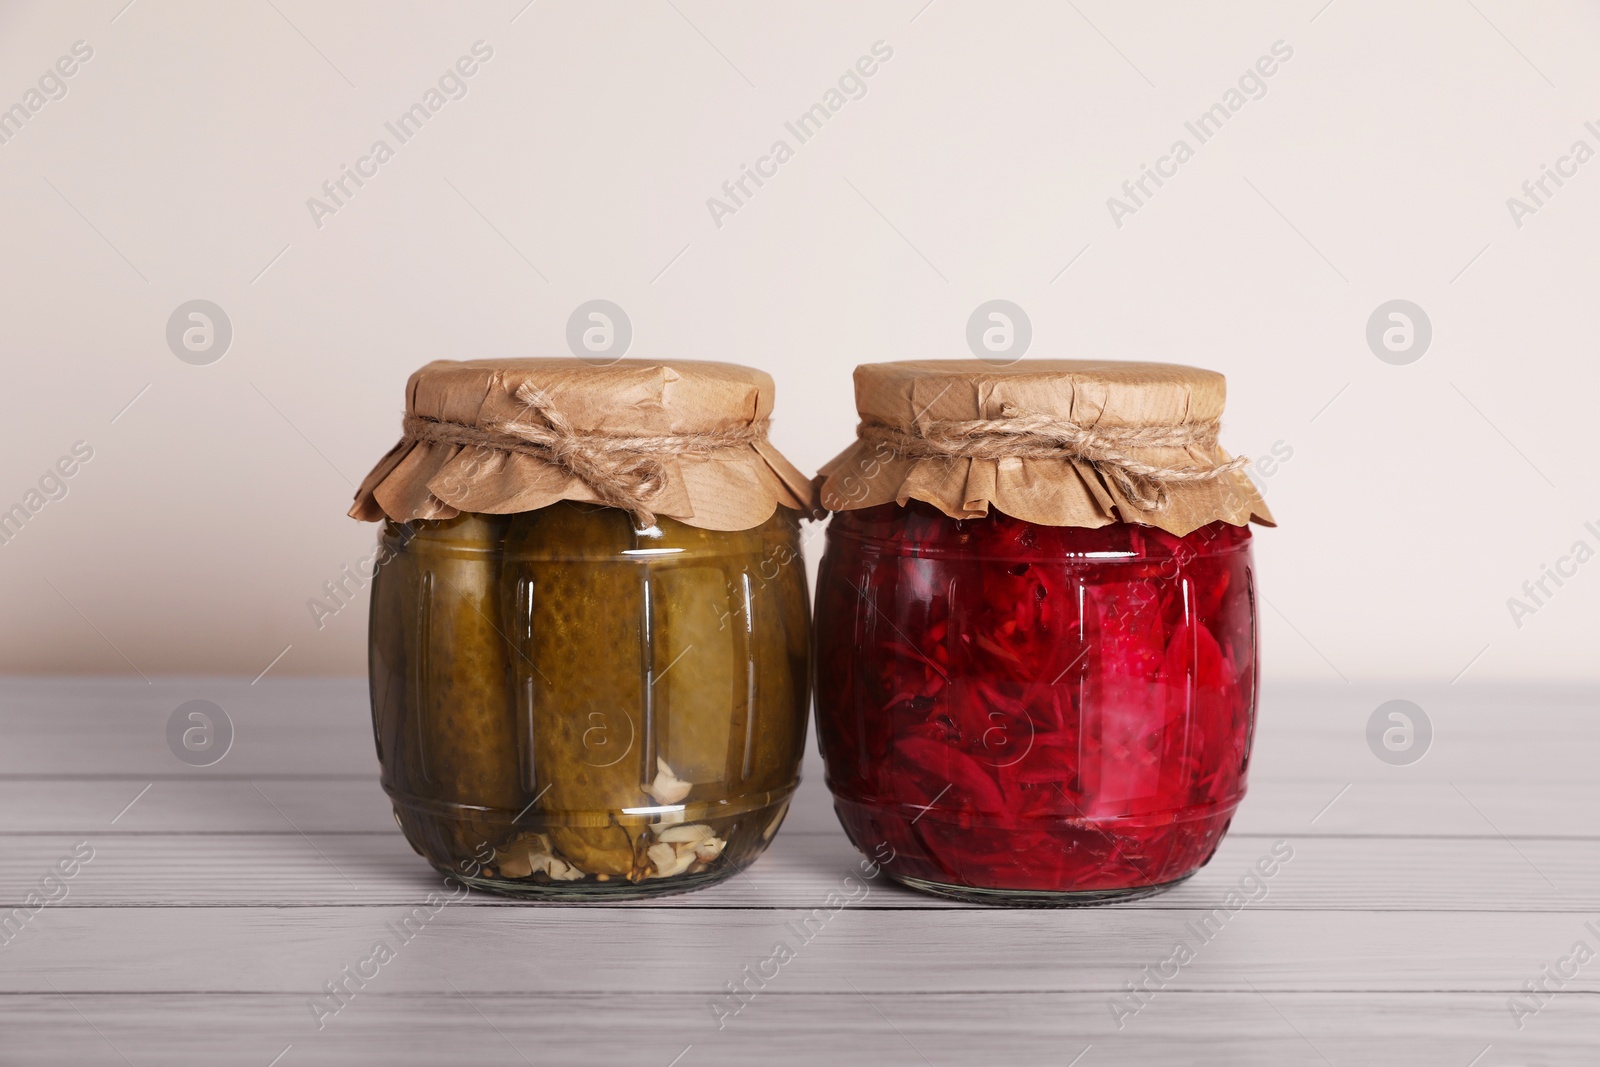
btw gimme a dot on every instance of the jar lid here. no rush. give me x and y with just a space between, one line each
1056 442
683 439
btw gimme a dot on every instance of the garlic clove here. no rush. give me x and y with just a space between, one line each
513 865
668 860
692 832
667 788
561 871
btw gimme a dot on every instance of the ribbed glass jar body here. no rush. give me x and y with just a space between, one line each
567 707
1034 714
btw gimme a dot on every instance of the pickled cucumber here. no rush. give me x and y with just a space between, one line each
578 611
570 704
457 666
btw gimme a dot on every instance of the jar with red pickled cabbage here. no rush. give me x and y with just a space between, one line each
1035 625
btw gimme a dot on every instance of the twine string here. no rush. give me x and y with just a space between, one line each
1032 435
624 471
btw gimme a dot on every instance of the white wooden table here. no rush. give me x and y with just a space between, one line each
220 901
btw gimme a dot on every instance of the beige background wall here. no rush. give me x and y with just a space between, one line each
1375 165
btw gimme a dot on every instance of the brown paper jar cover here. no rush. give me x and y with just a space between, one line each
1054 491
733 488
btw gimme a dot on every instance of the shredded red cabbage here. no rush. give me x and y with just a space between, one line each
1011 706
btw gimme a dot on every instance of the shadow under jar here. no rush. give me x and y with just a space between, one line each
1025 712
572 702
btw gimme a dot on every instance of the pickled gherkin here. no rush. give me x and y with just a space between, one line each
580 633
568 706
437 605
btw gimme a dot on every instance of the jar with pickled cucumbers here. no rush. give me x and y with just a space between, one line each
1036 628
589 650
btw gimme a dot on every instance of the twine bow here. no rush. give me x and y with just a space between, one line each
624 471
1025 435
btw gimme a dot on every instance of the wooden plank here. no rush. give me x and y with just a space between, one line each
1275 806
1483 874
1204 1029
98 727
117 727
221 900
627 951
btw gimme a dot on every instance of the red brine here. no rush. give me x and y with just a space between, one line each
1034 714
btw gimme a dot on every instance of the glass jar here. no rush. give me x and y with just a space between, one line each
590 636
567 706
1034 714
